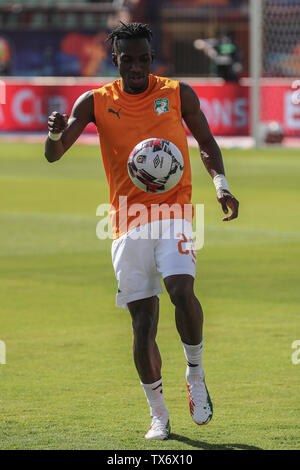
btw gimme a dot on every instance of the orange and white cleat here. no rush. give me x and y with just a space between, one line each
201 407
159 429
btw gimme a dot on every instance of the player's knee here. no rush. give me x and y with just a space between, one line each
180 295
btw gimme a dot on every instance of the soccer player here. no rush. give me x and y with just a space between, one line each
135 107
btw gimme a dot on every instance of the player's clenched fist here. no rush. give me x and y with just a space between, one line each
57 122
227 200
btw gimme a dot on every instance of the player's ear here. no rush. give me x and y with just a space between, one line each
114 59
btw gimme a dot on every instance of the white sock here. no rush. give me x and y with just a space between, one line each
155 399
193 354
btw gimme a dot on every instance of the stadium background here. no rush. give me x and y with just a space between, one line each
68 380
39 40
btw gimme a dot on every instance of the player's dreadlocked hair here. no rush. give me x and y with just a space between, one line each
129 31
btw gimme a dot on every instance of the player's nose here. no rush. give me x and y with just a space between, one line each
136 67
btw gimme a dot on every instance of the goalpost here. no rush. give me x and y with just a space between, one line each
274 61
255 67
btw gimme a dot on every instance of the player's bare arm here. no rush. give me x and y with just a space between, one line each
210 152
71 128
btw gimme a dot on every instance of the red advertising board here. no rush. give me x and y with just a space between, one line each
226 106
27 106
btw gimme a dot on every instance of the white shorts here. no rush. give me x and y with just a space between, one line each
146 254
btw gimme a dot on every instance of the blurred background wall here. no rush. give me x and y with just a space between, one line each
207 42
67 38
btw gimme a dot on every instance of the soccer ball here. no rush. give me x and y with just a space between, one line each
272 133
155 165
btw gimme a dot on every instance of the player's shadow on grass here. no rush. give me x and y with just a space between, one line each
206 446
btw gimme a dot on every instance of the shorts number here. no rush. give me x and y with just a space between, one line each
190 250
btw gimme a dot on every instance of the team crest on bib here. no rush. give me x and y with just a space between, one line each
161 105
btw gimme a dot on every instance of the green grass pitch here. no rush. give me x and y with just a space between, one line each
69 381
